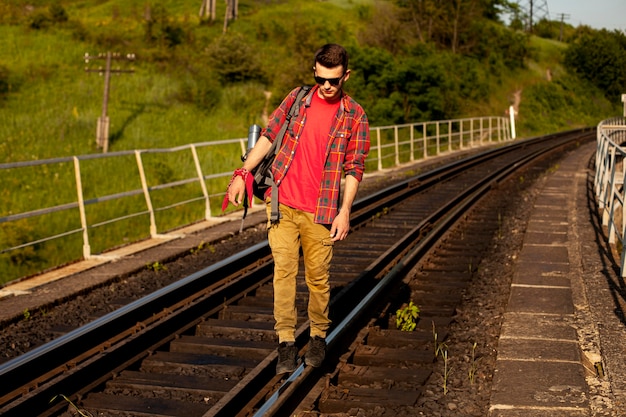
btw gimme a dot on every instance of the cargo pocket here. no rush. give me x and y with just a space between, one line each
327 241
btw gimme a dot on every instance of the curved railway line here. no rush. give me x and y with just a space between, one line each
205 345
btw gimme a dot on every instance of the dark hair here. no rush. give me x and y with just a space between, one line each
332 55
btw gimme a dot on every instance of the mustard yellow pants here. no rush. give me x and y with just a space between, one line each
293 231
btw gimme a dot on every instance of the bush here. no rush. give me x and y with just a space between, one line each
58 13
202 90
566 102
42 19
234 59
600 57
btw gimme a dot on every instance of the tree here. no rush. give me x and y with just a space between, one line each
451 24
429 85
600 57
234 59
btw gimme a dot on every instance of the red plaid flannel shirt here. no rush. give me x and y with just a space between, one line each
346 150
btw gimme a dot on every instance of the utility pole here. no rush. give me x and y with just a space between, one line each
563 17
102 132
533 8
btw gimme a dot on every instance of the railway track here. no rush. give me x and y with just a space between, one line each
205 346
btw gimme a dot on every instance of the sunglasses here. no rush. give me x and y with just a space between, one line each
331 81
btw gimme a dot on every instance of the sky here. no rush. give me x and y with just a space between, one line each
599 14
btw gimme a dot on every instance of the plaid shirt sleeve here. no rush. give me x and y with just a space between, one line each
348 147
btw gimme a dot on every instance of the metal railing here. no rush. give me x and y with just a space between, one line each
609 181
100 201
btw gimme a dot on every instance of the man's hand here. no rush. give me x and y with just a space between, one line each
236 191
341 226
237 187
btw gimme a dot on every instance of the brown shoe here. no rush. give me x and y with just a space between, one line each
316 352
287 358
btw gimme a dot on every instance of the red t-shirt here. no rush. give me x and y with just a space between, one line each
300 187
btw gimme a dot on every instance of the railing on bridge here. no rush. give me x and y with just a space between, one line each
609 181
101 201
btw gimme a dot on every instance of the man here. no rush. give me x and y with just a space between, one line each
329 135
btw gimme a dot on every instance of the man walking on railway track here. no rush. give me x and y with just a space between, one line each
329 135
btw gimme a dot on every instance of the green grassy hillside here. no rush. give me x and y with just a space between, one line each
177 95
193 82
174 96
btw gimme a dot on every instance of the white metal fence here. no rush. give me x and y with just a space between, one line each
54 208
609 181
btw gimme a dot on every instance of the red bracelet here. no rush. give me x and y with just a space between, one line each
242 172
245 174
239 172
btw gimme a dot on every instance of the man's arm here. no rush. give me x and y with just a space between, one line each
255 156
341 224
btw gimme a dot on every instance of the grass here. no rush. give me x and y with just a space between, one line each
145 107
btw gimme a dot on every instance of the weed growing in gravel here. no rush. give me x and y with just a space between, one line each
197 248
201 246
473 365
446 370
80 412
157 266
382 213
27 315
554 168
439 347
406 318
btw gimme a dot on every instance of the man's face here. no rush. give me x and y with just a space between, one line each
330 80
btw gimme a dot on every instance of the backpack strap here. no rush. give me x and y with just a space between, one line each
293 111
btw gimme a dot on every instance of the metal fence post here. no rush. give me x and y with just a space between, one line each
205 192
380 150
396 145
81 209
481 131
146 193
425 138
412 143
461 146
